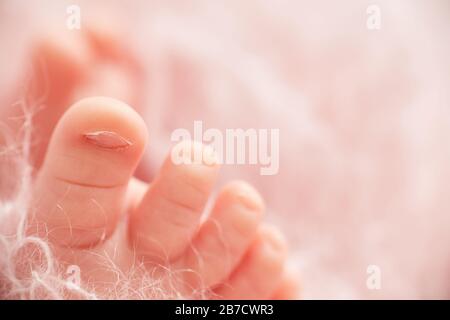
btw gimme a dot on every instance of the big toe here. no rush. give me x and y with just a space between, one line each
80 190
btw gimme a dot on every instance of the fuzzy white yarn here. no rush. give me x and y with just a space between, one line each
364 159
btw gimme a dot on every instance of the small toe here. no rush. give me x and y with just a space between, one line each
224 237
163 225
261 270
289 287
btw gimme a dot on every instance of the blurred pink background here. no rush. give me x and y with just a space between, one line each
364 119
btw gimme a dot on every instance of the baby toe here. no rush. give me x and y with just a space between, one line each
81 188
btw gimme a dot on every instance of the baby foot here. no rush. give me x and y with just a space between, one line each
132 240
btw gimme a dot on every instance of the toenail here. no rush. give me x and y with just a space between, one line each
107 140
247 196
274 241
209 156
